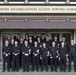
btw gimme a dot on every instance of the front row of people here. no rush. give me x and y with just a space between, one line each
38 56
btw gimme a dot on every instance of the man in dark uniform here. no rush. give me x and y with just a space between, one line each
64 40
43 38
57 44
30 42
26 37
26 51
75 62
53 56
44 57
56 41
35 57
6 55
39 42
20 55
48 44
40 46
47 41
15 58
17 38
9 38
34 38
72 55
11 49
63 53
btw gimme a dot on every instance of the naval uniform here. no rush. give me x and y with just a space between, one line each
15 58
72 56
35 58
25 55
53 58
6 57
62 52
44 58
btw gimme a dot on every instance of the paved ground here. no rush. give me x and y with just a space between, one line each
37 73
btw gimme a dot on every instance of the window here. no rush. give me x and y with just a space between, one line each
1 0
72 0
15 0
36 0
57 0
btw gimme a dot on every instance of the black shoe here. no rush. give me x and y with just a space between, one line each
41 70
3 71
13 71
64 70
56 71
46 70
28 71
8 70
37 70
69 70
24 71
32 70
17 70
74 70
51 71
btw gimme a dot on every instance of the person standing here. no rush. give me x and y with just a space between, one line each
35 57
65 42
30 42
63 53
11 49
72 55
53 57
26 51
15 57
34 37
20 55
44 57
47 41
6 55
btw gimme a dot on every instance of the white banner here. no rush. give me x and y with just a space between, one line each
37 9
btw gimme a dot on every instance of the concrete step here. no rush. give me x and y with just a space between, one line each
37 73
1 67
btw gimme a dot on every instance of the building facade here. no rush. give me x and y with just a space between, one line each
51 17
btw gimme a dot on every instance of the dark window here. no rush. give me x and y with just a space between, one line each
1 0
36 0
72 0
57 0
16 0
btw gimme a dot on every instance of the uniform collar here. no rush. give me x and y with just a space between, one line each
35 46
30 40
62 46
53 46
38 41
72 44
26 45
44 47
15 45
6 45
21 42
